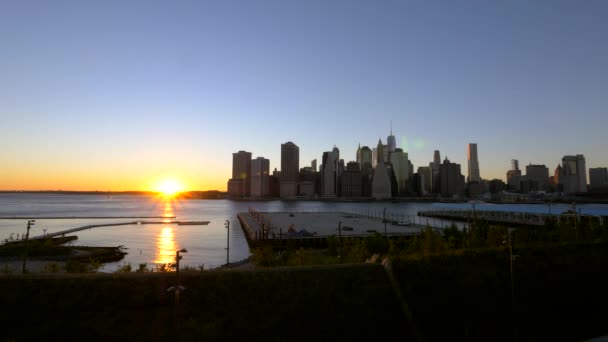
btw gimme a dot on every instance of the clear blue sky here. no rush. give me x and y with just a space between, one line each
130 90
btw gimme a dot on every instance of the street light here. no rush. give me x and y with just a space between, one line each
177 288
384 219
227 225
27 237
339 239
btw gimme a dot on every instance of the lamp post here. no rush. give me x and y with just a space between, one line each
27 237
384 219
511 258
227 225
178 287
339 240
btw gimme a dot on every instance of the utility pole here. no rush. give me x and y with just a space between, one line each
384 215
340 241
27 237
227 225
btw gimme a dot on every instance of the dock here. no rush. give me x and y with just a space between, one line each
81 217
312 229
72 230
505 217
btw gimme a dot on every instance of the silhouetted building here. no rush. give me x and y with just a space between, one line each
538 174
260 173
598 178
306 182
474 189
239 184
435 166
383 152
329 174
427 176
473 161
496 186
381 183
290 165
313 164
400 166
366 171
417 184
451 180
573 177
514 164
391 142
528 185
351 180
274 185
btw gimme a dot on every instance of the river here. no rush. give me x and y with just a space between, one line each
154 244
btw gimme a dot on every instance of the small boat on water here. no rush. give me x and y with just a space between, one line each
192 223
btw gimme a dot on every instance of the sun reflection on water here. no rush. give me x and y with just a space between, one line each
165 246
168 211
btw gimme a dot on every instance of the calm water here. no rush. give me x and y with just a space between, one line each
205 244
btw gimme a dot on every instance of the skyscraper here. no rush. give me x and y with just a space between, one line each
313 164
435 166
473 163
366 158
391 142
260 173
538 174
400 169
598 178
574 174
427 178
380 152
437 158
514 164
290 165
451 180
381 183
239 184
366 171
329 174
351 180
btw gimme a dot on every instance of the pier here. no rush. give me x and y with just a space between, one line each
312 229
72 230
506 217
81 217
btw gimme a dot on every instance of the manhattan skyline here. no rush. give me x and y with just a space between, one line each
118 96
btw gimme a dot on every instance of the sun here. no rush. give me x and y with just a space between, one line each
170 187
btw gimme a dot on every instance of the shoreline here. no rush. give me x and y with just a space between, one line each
219 195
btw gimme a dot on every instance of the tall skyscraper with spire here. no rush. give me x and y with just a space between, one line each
473 163
391 142
435 167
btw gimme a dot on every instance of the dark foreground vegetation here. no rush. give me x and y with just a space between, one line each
306 304
450 285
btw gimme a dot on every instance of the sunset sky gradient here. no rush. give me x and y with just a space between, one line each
119 95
